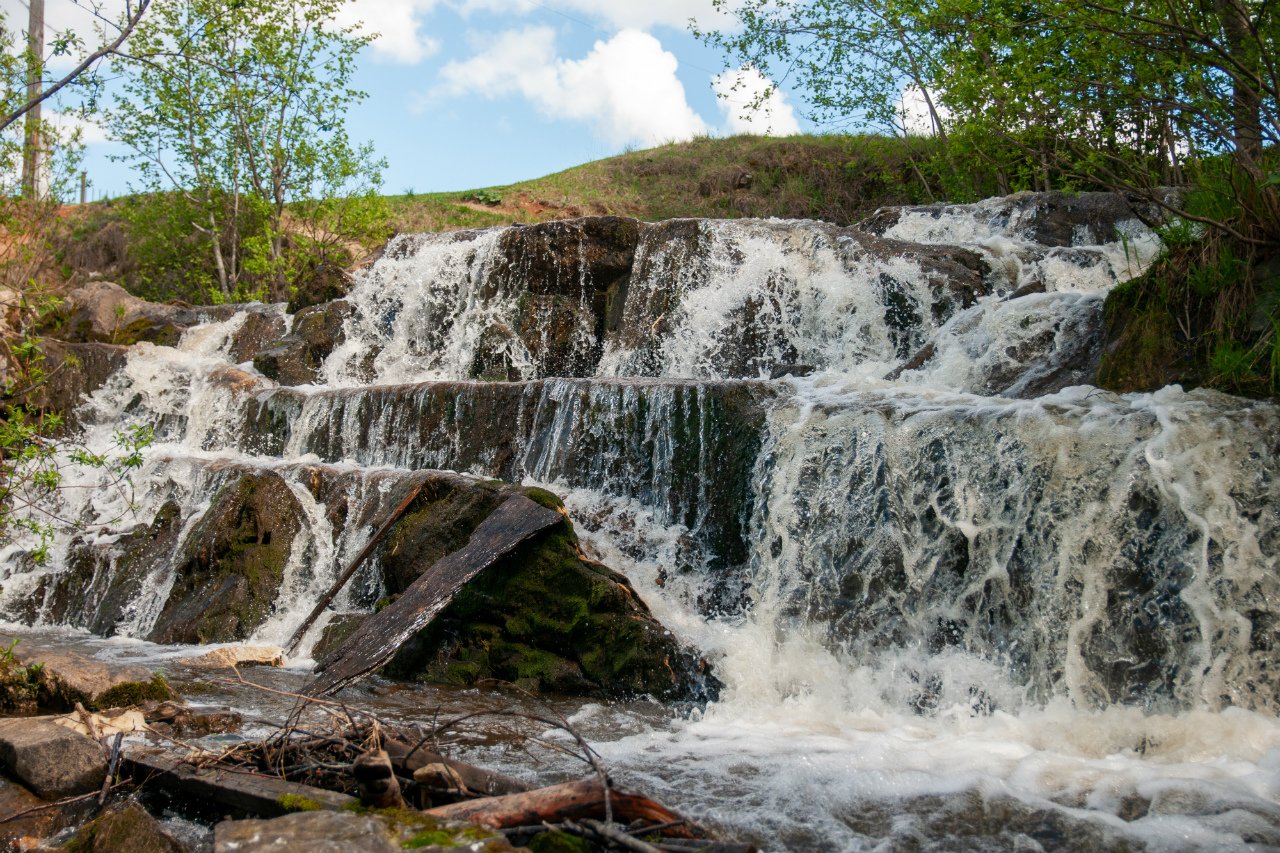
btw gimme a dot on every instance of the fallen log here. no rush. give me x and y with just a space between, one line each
407 761
245 793
380 636
558 803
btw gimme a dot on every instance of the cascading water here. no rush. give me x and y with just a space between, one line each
959 598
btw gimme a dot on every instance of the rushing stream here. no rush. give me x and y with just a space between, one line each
959 598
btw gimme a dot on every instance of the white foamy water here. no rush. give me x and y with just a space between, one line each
978 606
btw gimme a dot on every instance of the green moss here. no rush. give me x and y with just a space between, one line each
431 838
543 497
134 693
555 841
298 803
547 620
1207 313
147 329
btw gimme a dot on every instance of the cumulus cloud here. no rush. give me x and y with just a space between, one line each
752 104
617 14
626 86
913 112
90 131
399 25
59 17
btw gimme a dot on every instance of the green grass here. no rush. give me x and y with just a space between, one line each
838 178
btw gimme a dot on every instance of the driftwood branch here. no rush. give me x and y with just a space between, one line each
556 804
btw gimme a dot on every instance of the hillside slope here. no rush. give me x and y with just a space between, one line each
837 178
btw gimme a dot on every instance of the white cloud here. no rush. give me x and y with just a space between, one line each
914 114
616 14
399 25
739 91
90 131
59 17
626 87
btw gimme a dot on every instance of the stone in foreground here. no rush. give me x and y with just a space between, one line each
51 760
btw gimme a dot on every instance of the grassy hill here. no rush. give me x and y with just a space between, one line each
837 178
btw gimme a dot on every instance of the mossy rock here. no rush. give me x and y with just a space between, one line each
231 565
545 617
554 841
134 693
1144 347
126 826
1200 316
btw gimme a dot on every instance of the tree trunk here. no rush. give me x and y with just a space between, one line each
1246 99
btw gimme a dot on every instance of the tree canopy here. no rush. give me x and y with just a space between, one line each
1127 93
240 109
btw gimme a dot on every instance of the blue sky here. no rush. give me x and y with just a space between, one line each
469 93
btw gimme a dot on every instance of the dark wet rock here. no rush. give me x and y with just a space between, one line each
573 276
259 331
51 760
545 617
679 255
100 580
597 434
231 565
1055 344
791 370
296 359
128 827
923 356
340 626
72 372
15 799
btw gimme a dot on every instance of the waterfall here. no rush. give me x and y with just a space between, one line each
863 469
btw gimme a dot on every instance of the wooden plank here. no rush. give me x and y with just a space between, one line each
378 638
241 792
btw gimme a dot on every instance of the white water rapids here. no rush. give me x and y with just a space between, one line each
951 610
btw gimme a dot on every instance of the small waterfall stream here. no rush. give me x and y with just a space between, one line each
959 598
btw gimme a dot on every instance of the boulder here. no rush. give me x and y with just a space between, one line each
103 312
296 359
259 331
573 274
237 656
125 826
51 760
67 677
545 617
229 568
101 580
15 831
